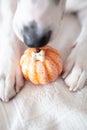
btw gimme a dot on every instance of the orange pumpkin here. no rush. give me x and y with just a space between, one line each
41 71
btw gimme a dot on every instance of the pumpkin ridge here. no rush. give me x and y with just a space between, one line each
52 69
22 63
26 74
45 66
58 61
50 49
57 64
54 53
46 78
36 74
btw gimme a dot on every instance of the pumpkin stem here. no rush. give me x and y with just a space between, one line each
38 50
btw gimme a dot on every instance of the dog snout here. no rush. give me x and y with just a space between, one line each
36 37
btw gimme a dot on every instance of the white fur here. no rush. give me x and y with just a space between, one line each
11 79
76 65
14 15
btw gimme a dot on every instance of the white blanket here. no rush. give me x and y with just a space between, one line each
49 107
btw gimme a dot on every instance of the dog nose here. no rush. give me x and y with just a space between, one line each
34 37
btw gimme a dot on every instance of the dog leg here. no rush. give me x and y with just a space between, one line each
75 67
11 80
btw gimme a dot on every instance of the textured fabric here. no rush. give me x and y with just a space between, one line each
49 107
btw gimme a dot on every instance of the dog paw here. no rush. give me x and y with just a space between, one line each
11 80
75 68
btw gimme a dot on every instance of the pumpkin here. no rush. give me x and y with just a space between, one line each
41 67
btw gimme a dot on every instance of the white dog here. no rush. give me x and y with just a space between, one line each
35 23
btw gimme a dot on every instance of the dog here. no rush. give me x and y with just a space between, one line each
36 23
